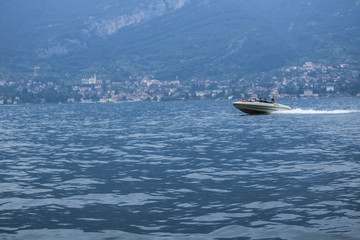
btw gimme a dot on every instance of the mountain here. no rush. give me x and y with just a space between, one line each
168 39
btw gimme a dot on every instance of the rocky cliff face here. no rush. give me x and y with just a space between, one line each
105 25
111 25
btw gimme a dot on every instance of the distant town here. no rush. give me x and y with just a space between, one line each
307 80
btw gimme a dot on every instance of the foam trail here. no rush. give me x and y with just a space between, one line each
312 111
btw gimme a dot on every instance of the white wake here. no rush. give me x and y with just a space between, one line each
312 111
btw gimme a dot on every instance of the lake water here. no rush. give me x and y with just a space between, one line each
180 170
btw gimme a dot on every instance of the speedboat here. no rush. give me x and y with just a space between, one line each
257 107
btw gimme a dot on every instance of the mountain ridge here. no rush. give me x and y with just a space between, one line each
169 39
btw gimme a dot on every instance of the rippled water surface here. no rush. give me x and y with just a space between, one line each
180 170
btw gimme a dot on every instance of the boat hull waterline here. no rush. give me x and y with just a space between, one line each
259 107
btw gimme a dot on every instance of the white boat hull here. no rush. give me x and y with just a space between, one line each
259 107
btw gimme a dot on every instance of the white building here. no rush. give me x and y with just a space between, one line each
91 80
309 93
330 88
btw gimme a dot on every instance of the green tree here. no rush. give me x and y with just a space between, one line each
50 95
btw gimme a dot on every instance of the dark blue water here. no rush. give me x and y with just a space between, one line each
180 170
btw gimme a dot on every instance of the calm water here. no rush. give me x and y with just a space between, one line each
180 170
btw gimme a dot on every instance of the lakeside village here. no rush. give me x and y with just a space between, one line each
308 80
